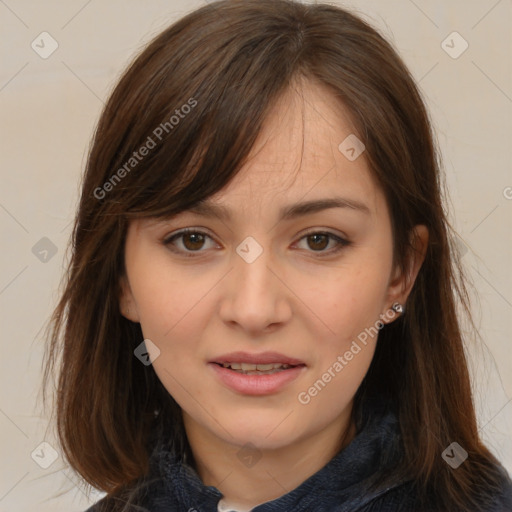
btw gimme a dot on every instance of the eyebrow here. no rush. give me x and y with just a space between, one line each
208 209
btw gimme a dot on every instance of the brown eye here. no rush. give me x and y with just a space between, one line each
318 241
193 241
188 242
324 243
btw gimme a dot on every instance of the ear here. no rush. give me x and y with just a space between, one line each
401 282
127 304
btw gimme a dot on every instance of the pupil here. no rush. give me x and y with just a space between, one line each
316 240
196 244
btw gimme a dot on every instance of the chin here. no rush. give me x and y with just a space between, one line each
263 434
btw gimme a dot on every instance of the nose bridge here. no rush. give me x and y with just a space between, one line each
254 294
252 262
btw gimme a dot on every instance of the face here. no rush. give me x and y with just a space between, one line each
263 275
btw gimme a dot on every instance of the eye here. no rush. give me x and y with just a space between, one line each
189 241
318 241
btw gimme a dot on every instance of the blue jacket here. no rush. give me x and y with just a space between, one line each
358 479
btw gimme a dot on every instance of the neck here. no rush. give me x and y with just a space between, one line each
248 476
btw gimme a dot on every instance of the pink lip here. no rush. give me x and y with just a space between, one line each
262 358
256 384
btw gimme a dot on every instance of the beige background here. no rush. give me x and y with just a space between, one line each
48 111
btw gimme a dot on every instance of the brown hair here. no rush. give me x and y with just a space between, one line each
229 62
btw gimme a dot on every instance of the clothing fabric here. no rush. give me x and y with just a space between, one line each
360 478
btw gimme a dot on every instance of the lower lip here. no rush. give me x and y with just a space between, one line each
256 384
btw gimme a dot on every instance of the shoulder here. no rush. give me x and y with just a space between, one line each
144 496
503 494
150 493
405 497
111 504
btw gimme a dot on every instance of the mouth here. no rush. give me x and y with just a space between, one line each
258 369
256 374
264 363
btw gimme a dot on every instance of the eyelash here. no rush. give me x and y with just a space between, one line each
168 242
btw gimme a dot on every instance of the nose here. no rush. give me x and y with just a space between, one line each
255 297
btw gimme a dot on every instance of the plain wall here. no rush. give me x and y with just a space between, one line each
49 108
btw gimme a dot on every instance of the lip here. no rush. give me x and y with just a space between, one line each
256 384
261 358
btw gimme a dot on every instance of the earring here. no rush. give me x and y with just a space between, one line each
397 308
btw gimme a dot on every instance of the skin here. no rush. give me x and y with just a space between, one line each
291 299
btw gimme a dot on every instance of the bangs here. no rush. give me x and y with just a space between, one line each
193 123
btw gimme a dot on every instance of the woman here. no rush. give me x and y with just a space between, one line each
260 311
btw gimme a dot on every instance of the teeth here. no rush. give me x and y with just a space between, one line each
262 367
248 367
233 366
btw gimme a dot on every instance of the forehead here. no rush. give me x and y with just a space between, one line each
297 152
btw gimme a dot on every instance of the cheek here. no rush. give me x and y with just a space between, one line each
172 313
350 298
350 307
175 309
169 302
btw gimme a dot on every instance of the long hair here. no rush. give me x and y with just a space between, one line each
196 99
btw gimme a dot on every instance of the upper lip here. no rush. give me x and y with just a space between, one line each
261 358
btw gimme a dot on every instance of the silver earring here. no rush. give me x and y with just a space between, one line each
397 308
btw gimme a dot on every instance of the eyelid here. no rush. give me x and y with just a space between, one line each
185 231
323 231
